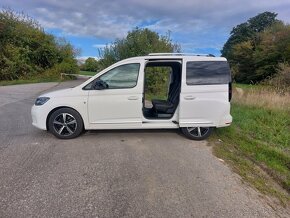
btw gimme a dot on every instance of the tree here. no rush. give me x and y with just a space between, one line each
262 21
243 57
91 64
248 46
240 33
138 42
247 31
273 48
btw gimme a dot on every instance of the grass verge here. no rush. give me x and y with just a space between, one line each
257 146
87 73
27 81
42 79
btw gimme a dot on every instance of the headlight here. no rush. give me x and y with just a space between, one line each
41 100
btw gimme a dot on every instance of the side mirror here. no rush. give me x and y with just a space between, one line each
100 84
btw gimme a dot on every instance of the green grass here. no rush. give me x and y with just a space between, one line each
161 96
37 79
87 73
27 81
257 146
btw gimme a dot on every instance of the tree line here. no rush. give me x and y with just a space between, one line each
26 51
259 49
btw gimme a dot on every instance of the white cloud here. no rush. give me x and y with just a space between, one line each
101 46
198 21
86 57
82 59
114 18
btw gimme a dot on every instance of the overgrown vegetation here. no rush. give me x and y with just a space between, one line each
28 53
157 82
257 144
256 48
281 81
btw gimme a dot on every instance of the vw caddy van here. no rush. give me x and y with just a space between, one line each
197 99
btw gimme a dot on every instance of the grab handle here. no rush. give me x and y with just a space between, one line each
189 97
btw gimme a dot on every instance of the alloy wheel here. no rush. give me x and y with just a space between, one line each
198 131
65 124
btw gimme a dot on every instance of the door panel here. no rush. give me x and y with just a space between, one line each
120 104
115 106
203 105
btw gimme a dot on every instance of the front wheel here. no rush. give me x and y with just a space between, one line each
65 123
197 133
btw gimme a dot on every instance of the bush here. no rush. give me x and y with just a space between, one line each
26 51
280 81
62 68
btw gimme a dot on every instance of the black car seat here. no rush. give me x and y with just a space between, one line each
168 106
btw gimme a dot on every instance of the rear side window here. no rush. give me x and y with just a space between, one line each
207 72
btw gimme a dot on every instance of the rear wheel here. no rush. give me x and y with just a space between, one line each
65 123
197 133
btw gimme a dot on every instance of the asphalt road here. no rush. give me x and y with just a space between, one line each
156 173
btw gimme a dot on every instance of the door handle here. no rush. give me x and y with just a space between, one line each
133 98
190 97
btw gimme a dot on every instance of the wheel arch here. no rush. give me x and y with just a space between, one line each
57 108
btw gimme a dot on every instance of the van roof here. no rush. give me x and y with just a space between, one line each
177 56
180 54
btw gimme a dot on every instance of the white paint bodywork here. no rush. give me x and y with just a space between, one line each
200 105
203 105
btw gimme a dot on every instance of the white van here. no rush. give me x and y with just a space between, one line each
197 100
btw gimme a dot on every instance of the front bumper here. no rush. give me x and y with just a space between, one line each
39 115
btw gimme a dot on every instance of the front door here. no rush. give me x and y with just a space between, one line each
120 104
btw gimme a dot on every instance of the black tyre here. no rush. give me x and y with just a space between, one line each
65 123
197 133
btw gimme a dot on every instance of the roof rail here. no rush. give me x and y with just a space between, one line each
177 54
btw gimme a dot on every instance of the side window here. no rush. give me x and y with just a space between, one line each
207 72
124 76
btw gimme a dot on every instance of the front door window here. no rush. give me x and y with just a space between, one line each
122 77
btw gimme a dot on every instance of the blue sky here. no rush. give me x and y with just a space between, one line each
198 26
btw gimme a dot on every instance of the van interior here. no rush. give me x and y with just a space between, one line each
162 91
